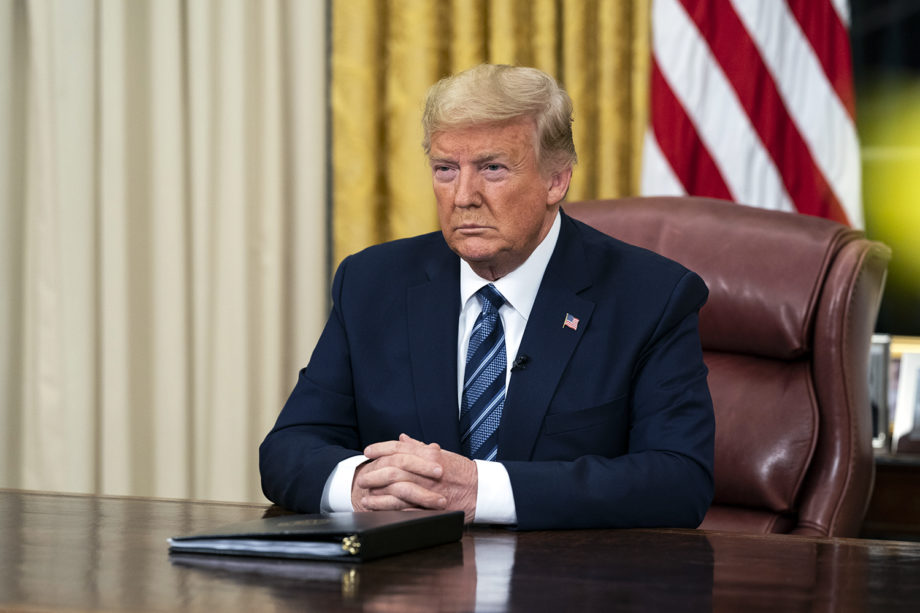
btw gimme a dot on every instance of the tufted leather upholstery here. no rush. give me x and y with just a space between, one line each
786 334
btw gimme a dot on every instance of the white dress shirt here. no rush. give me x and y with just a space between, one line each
494 498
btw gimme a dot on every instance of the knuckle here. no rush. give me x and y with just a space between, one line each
402 489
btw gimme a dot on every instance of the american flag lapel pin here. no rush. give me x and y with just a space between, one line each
570 321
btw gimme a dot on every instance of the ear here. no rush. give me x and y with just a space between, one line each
558 185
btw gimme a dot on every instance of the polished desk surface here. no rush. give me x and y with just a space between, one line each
85 553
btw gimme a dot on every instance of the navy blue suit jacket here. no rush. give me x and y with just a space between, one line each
608 425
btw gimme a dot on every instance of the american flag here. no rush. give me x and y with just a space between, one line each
570 321
752 101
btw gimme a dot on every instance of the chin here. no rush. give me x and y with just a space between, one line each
474 250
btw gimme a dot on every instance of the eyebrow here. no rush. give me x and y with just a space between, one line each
484 158
489 157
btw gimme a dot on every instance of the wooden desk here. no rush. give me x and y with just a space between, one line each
83 553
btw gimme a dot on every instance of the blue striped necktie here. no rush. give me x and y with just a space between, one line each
484 380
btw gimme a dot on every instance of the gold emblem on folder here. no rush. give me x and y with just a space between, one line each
351 544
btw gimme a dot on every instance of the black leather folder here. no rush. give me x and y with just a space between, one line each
350 537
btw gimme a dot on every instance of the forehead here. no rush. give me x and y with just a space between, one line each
515 137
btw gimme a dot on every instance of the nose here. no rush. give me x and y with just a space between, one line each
467 190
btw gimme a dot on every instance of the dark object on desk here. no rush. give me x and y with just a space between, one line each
894 512
786 333
910 443
336 536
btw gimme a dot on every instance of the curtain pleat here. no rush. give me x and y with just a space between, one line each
412 45
466 45
386 53
56 290
357 108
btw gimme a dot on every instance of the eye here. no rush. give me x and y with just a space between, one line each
494 171
443 172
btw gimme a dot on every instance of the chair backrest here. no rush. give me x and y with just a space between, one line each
786 335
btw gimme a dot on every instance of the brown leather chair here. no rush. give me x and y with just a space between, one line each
786 334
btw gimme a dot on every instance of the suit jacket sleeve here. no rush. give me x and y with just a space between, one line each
317 427
661 474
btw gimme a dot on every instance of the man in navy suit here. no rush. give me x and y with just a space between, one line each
597 411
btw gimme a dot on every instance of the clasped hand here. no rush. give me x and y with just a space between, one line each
408 474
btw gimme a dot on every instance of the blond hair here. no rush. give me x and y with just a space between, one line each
494 93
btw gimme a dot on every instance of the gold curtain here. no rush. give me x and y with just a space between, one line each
386 53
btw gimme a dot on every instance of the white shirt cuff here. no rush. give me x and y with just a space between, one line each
337 491
494 497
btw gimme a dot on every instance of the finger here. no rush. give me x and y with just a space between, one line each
408 447
383 448
402 467
388 475
403 444
383 503
405 438
410 494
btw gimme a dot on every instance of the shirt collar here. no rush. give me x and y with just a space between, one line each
520 286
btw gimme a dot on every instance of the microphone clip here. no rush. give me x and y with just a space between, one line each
520 363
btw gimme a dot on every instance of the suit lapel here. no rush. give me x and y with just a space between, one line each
433 312
547 343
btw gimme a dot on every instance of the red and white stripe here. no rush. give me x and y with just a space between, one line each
752 101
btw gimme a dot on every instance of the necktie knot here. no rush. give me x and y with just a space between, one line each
490 299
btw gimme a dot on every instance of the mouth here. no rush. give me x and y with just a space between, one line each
471 228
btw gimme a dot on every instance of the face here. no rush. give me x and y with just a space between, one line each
494 203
